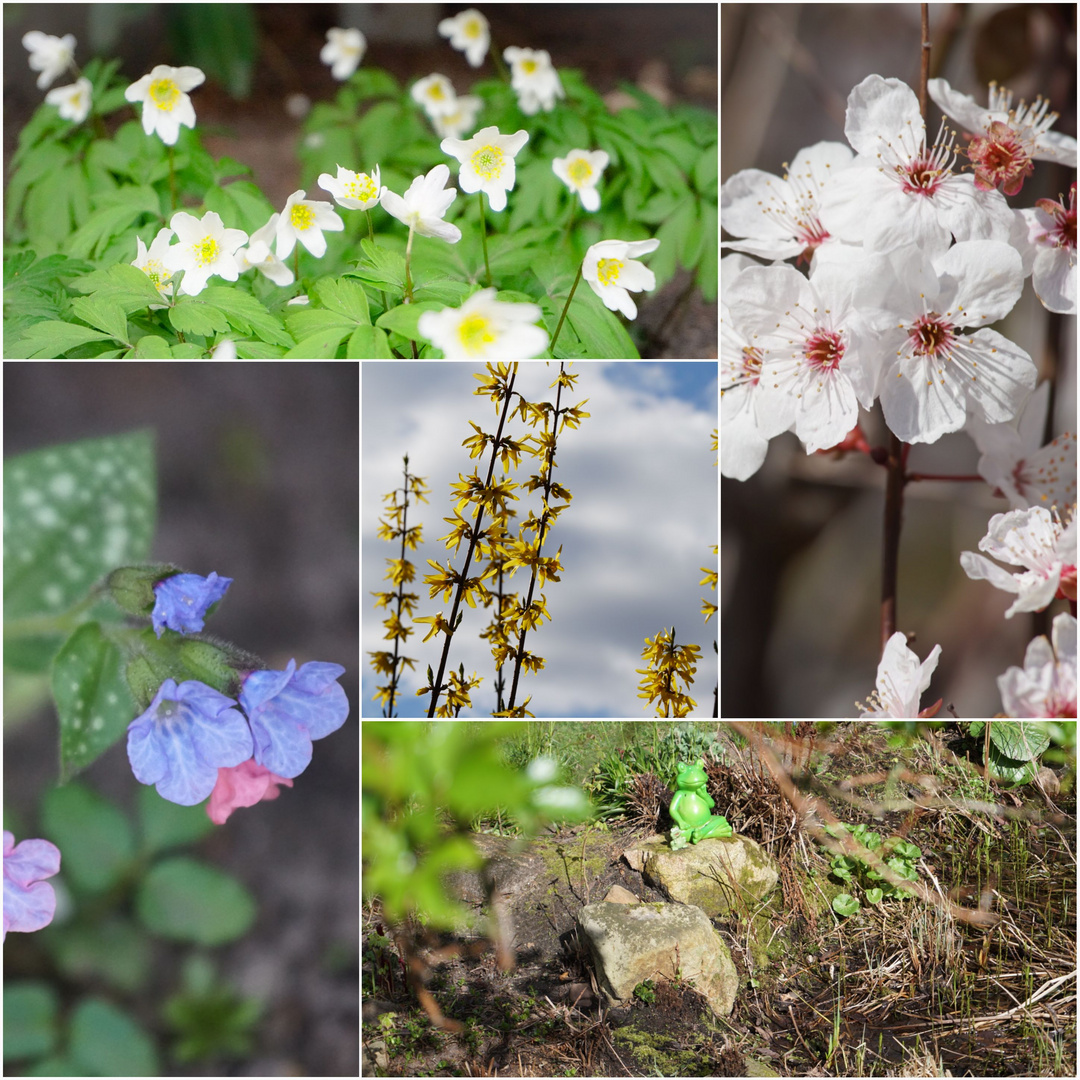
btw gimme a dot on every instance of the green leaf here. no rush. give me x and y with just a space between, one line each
708 268
164 824
129 286
403 318
91 696
247 314
705 173
1022 740
117 212
874 896
72 514
52 340
845 904
93 835
220 39
368 343
104 313
193 315
185 900
600 329
105 1041
382 267
151 347
31 1015
112 950
345 297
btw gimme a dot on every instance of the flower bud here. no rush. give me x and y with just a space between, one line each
132 587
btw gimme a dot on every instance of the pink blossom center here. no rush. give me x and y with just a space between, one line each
823 350
1063 232
1000 159
930 336
751 364
922 175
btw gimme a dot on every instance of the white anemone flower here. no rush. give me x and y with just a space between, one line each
204 247
777 217
73 101
353 190
424 205
610 270
469 33
580 171
165 102
49 55
306 220
487 162
936 371
901 680
898 191
226 350
534 79
1016 464
1035 539
452 125
435 95
259 255
343 51
1046 685
152 264
485 328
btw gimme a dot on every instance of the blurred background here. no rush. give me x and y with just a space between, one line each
258 480
801 540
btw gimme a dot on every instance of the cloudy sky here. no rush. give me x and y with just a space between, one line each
641 525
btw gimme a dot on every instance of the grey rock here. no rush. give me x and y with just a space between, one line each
630 944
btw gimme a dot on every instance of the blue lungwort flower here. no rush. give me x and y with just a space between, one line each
187 734
288 709
184 599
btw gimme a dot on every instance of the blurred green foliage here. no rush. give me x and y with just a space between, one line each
424 784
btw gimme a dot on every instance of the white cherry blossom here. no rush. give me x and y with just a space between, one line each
898 190
777 217
901 680
1037 540
936 371
1017 465
1046 685
1050 247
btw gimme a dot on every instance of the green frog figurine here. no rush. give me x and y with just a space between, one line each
691 808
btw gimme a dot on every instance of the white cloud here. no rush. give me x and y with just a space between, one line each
642 522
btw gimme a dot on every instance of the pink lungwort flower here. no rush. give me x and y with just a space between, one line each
901 680
806 339
29 901
1037 540
1005 140
778 217
1016 464
1051 237
242 785
898 190
1046 685
938 371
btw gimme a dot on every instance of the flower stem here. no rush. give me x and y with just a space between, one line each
483 236
296 262
566 308
569 220
370 229
172 178
408 275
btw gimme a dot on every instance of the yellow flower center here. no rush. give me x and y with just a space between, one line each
165 94
472 28
487 161
579 171
529 66
206 250
157 273
302 216
363 188
607 270
435 91
475 334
